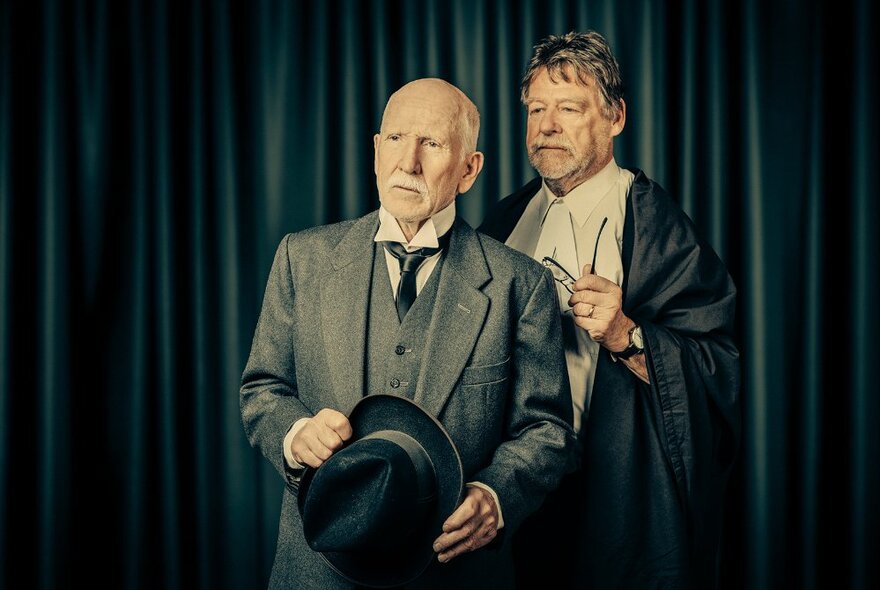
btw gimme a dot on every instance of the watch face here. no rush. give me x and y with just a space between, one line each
637 338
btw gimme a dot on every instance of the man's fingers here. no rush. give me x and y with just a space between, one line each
596 298
307 457
595 283
335 421
324 433
471 543
329 438
470 527
460 524
592 297
595 328
451 538
462 514
321 451
314 445
587 310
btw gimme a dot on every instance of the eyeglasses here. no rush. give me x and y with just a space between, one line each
562 276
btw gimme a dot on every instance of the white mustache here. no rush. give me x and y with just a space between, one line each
409 183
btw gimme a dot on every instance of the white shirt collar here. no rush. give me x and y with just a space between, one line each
583 198
427 236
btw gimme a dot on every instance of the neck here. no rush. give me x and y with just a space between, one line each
410 229
559 186
562 186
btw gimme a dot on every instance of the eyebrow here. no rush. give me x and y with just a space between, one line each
561 100
419 136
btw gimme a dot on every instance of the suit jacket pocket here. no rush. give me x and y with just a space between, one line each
476 408
485 374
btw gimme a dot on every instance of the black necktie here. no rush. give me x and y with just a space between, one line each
409 265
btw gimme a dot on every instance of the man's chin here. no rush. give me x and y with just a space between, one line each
552 172
552 168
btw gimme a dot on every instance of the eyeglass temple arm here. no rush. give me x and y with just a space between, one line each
547 259
596 247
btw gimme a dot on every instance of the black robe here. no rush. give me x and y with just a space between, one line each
656 458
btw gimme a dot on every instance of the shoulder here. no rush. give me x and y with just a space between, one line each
665 235
501 256
322 237
321 241
503 215
509 266
652 203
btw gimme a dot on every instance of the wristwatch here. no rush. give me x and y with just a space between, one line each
636 344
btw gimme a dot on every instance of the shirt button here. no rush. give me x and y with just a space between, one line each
399 349
395 383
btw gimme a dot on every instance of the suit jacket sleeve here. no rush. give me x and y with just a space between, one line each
269 402
539 437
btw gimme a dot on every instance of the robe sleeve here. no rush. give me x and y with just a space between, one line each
679 291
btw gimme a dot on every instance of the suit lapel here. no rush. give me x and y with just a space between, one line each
345 295
457 320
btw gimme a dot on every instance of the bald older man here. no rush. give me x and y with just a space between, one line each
472 336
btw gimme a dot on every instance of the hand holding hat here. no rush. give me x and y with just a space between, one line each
320 437
473 525
374 507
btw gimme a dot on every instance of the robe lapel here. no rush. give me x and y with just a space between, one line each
457 321
344 304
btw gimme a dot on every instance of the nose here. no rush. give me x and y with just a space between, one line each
409 160
548 125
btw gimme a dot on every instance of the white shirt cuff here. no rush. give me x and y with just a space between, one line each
288 440
482 486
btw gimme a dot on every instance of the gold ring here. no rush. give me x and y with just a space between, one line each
592 309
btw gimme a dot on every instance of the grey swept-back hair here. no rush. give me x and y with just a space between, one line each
589 55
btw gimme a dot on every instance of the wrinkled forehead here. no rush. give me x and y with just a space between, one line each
549 87
565 75
427 114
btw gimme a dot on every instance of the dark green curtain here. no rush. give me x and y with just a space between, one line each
153 153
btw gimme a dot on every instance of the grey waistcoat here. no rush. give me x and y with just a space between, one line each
394 349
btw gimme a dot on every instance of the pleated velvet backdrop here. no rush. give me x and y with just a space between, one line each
152 155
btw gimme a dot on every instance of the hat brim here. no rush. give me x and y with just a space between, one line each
379 412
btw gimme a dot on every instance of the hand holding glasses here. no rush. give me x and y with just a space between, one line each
562 276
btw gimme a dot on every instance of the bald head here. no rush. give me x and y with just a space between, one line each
445 99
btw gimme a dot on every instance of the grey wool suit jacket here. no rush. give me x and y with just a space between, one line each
492 372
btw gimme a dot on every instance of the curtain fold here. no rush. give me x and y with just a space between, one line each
6 301
865 408
52 425
153 154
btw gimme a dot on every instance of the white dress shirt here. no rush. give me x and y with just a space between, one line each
427 237
603 195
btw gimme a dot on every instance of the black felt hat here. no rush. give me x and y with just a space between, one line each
375 507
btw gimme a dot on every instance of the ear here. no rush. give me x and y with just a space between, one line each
474 164
376 154
619 121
